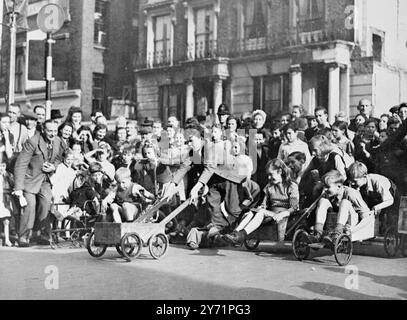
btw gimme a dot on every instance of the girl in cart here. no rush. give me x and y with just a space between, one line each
280 201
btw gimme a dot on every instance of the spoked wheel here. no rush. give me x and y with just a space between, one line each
301 249
158 245
130 246
94 250
119 250
251 244
343 250
391 242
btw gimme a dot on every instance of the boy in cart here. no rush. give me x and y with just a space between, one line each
346 202
124 206
379 192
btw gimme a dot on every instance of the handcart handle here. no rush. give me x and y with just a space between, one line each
306 213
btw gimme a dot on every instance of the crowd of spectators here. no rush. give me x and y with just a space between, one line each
250 169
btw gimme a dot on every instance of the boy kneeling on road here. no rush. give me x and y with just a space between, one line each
345 201
379 193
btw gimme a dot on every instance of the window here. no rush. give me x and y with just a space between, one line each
255 19
172 101
19 73
98 92
101 14
377 42
271 93
162 40
311 15
204 32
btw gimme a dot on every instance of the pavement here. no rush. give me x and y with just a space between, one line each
270 273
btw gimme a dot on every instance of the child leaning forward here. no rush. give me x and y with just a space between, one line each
280 201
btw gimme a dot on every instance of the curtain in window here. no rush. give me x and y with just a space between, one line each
249 14
310 9
162 29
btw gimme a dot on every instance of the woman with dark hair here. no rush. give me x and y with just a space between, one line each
232 126
65 132
85 138
75 117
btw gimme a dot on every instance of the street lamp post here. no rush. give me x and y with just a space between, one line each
13 10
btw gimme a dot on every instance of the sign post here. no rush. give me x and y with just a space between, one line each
50 19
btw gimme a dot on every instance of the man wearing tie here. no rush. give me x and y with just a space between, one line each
36 162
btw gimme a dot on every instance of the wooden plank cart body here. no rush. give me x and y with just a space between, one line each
129 238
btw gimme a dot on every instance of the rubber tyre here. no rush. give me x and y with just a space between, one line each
391 242
95 251
251 244
343 250
119 250
158 245
300 247
136 245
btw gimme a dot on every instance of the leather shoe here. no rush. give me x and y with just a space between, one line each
23 243
236 237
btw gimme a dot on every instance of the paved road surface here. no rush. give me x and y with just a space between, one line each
207 274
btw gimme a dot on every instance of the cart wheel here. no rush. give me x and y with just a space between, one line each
300 245
251 244
343 250
119 250
391 242
158 245
95 251
131 245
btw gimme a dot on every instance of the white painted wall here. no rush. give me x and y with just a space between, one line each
388 16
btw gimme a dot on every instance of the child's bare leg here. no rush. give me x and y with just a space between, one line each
255 223
129 212
116 213
246 219
346 210
6 224
321 213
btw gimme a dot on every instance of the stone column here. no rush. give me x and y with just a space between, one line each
189 101
334 91
345 90
217 93
296 84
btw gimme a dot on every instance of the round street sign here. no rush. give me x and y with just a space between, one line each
51 18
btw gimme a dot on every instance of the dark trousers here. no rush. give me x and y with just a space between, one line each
38 206
223 191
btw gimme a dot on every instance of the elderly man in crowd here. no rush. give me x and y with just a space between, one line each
365 108
34 165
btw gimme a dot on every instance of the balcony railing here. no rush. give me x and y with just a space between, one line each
302 35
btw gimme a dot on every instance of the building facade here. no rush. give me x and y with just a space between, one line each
93 56
269 54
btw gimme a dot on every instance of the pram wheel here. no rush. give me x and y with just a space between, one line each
95 250
343 250
158 245
391 242
251 244
300 245
131 245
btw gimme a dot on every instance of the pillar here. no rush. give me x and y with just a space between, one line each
217 94
345 90
189 101
296 85
334 91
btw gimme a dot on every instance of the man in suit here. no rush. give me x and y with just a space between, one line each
365 108
36 162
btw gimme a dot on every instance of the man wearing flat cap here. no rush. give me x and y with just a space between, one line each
30 119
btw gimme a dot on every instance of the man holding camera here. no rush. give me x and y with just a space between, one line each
36 162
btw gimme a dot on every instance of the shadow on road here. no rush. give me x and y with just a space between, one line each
330 290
